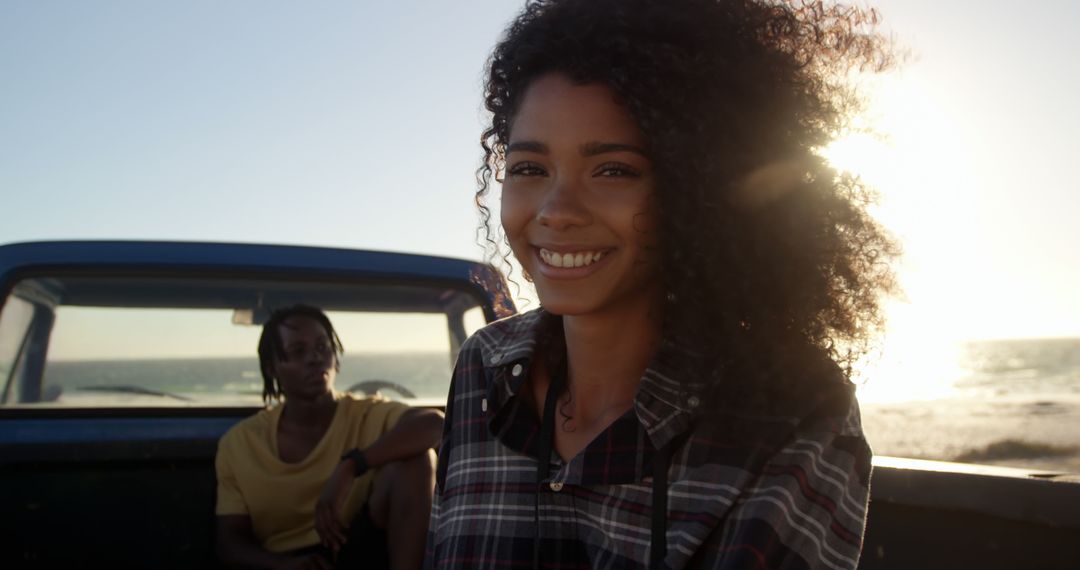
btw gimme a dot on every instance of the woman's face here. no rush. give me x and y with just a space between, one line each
309 365
576 199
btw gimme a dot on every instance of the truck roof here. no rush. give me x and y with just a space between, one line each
249 260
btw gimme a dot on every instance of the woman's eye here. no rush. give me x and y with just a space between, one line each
616 169
525 169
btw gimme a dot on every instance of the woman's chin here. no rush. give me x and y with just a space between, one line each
567 305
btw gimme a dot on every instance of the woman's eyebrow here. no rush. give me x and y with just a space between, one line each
527 146
587 149
595 148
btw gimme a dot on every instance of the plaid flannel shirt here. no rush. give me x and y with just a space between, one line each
792 496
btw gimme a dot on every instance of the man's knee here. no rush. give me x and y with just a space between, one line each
405 484
420 467
415 479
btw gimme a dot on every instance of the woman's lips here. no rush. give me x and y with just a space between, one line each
575 259
570 263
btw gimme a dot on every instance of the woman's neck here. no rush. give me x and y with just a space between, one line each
606 356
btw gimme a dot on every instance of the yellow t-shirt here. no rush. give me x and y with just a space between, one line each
280 497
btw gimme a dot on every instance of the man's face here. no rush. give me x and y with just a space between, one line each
308 365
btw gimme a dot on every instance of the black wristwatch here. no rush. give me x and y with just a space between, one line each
358 459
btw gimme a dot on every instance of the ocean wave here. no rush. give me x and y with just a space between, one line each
1009 449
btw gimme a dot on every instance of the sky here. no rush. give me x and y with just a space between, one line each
355 124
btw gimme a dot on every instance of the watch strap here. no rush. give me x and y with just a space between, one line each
359 460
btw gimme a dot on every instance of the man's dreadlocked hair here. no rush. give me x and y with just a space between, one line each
271 349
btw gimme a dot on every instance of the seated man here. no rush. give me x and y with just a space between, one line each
323 478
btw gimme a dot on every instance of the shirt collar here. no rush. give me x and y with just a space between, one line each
514 340
668 398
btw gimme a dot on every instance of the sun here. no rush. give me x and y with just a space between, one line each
909 152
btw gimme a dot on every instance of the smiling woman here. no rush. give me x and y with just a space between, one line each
706 281
576 198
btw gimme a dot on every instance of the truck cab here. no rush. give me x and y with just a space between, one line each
122 363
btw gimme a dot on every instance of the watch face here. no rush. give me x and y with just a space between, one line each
359 461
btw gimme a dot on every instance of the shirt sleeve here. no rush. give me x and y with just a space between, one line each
433 522
431 546
806 510
384 415
229 499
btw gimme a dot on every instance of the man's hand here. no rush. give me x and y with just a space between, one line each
331 504
418 430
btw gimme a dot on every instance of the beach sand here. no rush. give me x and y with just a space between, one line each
1016 431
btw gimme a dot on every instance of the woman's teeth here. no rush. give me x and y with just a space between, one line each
576 259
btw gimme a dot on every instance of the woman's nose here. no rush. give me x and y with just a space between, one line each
562 206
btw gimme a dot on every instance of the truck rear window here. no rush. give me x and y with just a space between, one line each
84 342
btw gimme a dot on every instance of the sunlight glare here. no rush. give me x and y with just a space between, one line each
911 154
911 361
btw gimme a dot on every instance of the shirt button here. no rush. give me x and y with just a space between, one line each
556 486
516 371
693 401
495 358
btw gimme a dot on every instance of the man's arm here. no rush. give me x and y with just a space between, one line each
418 430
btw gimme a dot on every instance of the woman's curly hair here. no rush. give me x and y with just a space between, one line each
773 269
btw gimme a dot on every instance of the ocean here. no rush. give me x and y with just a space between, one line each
1005 402
1009 402
231 381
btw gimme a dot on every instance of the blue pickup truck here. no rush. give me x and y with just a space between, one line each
122 363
